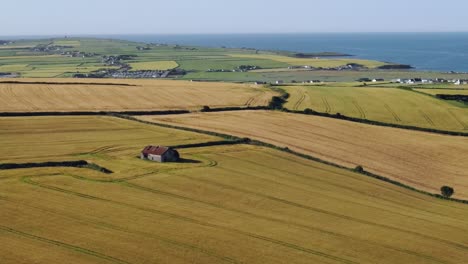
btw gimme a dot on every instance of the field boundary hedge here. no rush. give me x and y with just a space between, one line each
295 153
74 164
92 113
69 83
376 123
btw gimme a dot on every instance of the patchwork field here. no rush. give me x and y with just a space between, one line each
390 105
225 204
154 65
443 91
314 62
423 160
119 96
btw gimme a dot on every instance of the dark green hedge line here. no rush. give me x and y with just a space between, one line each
376 123
68 83
298 154
90 113
233 108
221 135
75 164
212 143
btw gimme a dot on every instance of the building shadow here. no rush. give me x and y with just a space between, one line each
190 161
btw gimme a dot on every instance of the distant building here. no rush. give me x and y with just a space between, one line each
160 154
364 80
378 80
260 83
279 82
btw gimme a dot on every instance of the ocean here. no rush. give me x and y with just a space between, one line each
424 51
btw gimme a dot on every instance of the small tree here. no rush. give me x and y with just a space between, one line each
359 169
308 111
447 191
206 108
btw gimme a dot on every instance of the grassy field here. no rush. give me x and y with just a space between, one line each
443 91
423 160
144 95
196 60
155 65
390 105
226 204
314 62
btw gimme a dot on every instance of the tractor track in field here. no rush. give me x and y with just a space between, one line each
361 111
427 118
465 126
298 103
317 210
292 246
257 216
328 108
333 184
393 113
63 245
127 230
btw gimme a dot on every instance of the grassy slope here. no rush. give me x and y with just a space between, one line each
146 95
240 204
391 105
423 160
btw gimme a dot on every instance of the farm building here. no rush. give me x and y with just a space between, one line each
160 154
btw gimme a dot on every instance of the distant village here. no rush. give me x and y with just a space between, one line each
417 81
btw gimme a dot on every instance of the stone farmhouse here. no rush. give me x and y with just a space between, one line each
160 154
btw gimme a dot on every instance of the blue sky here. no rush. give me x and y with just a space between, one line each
57 17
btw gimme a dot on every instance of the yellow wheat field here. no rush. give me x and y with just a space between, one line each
224 204
141 95
423 160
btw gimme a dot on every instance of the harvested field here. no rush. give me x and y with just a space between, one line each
142 95
389 105
423 160
226 204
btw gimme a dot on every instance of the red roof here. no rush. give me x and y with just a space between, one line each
155 150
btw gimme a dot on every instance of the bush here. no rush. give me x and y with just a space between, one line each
276 103
309 111
359 169
206 108
447 191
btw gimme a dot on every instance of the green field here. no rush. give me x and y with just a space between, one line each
443 91
195 60
390 105
224 204
155 65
